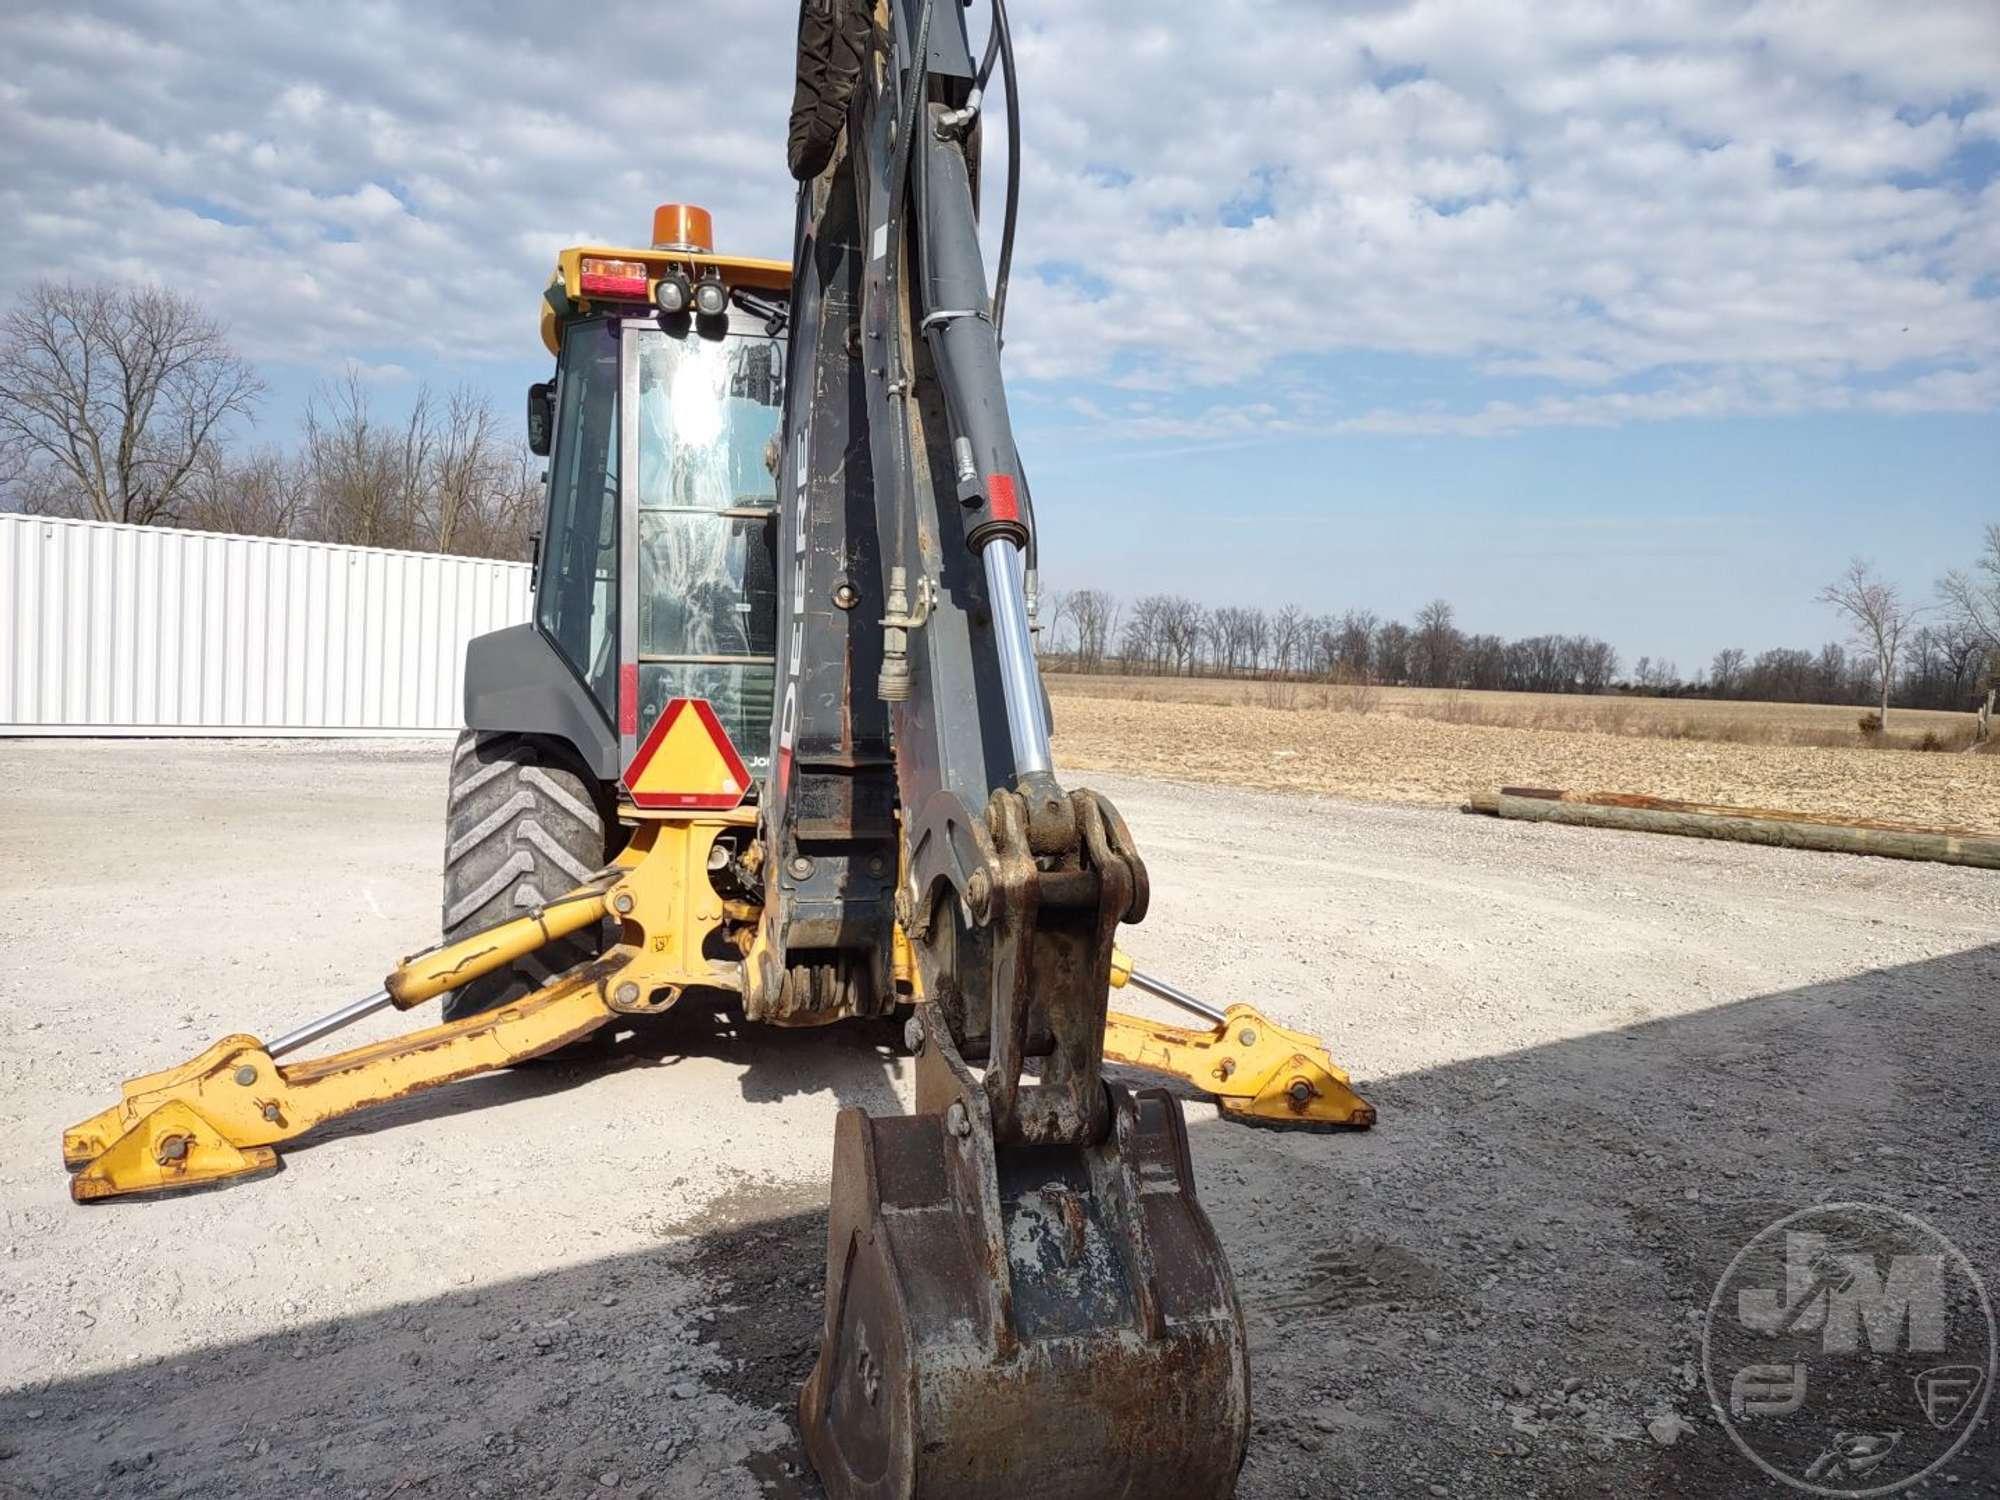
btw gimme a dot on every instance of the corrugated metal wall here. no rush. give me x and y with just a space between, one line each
144 630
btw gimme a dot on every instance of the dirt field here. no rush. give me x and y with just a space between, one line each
1725 720
1389 755
1602 1062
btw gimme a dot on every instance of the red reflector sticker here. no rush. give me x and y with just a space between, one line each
628 699
1000 502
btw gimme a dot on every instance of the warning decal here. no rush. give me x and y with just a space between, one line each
687 762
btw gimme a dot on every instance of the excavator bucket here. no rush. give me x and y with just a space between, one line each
1046 1316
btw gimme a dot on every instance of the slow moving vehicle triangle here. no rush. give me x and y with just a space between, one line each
687 761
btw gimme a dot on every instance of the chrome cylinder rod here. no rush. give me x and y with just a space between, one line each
1173 996
1006 594
327 1025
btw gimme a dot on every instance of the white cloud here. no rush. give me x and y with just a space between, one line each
1590 195
1583 213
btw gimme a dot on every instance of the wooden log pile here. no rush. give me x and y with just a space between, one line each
1749 825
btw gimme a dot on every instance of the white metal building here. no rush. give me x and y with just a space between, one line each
143 630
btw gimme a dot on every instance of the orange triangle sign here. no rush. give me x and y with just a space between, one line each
687 762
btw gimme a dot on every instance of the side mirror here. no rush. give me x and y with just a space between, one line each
541 417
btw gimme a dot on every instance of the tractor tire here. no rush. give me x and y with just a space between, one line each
524 823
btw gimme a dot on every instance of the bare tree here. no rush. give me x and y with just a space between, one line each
1652 674
1973 599
1588 664
438 478
1094 613
1144 640
1484 662
111 398
1435 645
365 478
1181 632
1288 637
1054 615
1217 631
1391 653
466 465
1256 637
261 493
1878 616
1357 643
1236 638
509 510
1322 645
1725 673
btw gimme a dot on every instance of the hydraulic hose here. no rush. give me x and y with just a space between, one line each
1004 35
986 61
899 181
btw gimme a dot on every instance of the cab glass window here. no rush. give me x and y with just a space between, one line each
708 417
576 599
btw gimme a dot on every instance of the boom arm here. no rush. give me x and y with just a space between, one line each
903 485
1019 1277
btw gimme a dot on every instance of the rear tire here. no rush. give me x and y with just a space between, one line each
524 823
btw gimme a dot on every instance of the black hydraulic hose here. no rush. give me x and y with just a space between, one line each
1004 35
899 181
986 62
899 177
1000 42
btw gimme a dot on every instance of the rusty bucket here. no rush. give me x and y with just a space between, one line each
1053 1319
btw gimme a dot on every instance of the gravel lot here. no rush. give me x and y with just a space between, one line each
1602 1062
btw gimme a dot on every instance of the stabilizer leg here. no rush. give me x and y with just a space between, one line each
1259 1072
218 1116
169 1149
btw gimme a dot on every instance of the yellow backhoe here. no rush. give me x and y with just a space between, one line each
776 729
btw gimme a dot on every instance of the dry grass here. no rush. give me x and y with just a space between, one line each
1411 750
1725 722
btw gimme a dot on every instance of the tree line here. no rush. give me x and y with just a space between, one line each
124 404
1942 655
1090 630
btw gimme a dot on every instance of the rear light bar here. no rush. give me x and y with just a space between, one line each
623 280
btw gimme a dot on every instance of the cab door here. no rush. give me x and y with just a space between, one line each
700 409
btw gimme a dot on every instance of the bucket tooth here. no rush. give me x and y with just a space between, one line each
1049 1315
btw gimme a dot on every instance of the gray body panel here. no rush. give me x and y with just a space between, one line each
514 680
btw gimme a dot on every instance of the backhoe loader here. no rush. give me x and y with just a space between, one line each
776 729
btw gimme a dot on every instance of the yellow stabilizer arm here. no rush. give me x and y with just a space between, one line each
218 1115
1259 1072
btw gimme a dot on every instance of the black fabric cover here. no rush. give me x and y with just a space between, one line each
833 39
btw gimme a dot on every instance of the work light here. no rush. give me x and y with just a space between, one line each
711 297
671 293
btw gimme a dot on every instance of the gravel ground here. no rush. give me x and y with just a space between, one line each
1602 1062
1391 758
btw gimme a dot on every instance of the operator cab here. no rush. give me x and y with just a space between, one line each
656 574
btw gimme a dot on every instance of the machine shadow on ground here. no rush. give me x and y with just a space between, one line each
1608 1178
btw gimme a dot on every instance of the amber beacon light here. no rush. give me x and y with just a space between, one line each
683 226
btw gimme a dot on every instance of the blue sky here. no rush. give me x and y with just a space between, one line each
1630 319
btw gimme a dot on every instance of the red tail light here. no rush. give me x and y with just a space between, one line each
622 280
